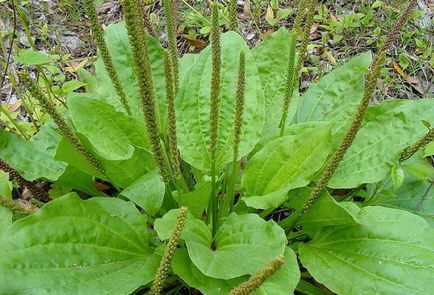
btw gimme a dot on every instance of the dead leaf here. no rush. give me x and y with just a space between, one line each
197 43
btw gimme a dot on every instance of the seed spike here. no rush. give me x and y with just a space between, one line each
98 34
170 13
233 14
214 112
36 192
142 64
259 277
420 144
172 244
171 116
64 127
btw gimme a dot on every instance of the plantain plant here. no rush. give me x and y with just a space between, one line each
221 178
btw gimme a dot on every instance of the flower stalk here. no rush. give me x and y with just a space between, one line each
98 34
146 20
228 202
333 163
170 13
171 116
232 14
172 244
142 64
290 83
259 277
214 113
64 127
293 67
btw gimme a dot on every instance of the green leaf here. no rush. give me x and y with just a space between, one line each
118 44
336 96
32 57
390 252
419 166
429 150
271 57
147 192
186 62
387 130
121 173
397 175
415 195
71 86
5 186
326 211
285 163
5 219
242 245
31 159
193 106
73 178
196 200
73 246
112 134
281 283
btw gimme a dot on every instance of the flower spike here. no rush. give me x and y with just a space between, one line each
142 64
172 244
259 277
98 34
61 123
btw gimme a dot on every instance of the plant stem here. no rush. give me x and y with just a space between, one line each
214 113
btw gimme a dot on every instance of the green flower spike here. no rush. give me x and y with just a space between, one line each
61 123
290 82
214 112
172 244
259 278
334 161
14 207
146 20
34 190
169 13
238 121
142 64
232 14
171 115
301 12
420 144
98 34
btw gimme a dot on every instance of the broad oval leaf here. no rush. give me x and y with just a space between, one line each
121 173
33 159
388 129
242 245
285 163
193 106
5 218
147 192
73 246
390 252
282 282
196 200
336 96
116 37
113 134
